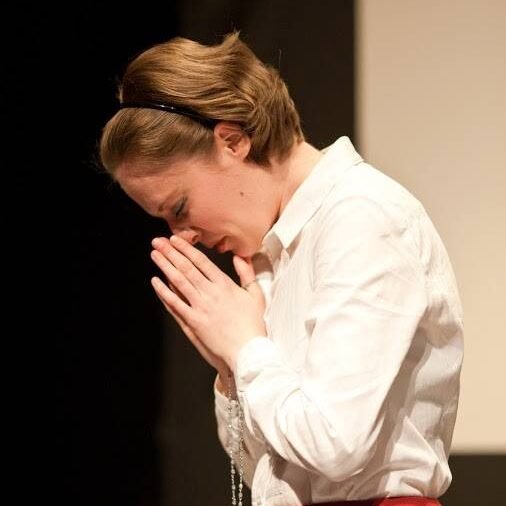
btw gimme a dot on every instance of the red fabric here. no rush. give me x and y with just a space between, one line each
389 501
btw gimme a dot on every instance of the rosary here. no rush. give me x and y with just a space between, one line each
236 498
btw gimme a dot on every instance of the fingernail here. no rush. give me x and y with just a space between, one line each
157 241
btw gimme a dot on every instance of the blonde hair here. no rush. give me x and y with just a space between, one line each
225 82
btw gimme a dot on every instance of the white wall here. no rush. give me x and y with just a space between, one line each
431 103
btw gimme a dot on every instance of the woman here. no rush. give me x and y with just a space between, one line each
338 357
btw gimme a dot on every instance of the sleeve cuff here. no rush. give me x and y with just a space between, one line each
221 400
254 356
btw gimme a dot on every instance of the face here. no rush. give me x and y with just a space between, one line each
226 204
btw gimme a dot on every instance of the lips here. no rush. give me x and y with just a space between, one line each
221 246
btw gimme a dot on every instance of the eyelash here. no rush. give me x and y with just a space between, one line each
180 208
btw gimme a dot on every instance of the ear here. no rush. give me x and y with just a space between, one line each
231 139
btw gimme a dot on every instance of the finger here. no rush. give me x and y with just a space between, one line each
178 293
244 269
246 272
178 318
171 299
199 345
197 258
181 262
178 279
201 348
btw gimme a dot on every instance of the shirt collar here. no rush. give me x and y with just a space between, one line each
311 193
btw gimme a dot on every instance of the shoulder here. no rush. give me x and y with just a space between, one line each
366 214
367 192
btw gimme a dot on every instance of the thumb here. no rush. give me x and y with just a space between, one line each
244 269
246 273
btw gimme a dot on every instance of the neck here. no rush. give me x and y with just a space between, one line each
294 170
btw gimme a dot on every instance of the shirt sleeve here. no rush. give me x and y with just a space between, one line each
253 448
369 296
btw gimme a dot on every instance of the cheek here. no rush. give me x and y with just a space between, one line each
230 217
208 218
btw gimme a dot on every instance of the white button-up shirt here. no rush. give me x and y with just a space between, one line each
353 393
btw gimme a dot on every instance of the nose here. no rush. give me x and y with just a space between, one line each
188 235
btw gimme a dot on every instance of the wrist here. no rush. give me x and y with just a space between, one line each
222 383
234 350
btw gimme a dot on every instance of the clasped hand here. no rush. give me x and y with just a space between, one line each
216 314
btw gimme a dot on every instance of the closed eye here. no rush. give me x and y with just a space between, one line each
180 207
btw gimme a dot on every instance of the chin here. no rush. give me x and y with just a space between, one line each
245 251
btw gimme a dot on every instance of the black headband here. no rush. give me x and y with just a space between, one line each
176 109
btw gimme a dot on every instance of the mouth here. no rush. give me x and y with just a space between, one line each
221 245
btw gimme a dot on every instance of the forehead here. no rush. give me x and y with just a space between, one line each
150 191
